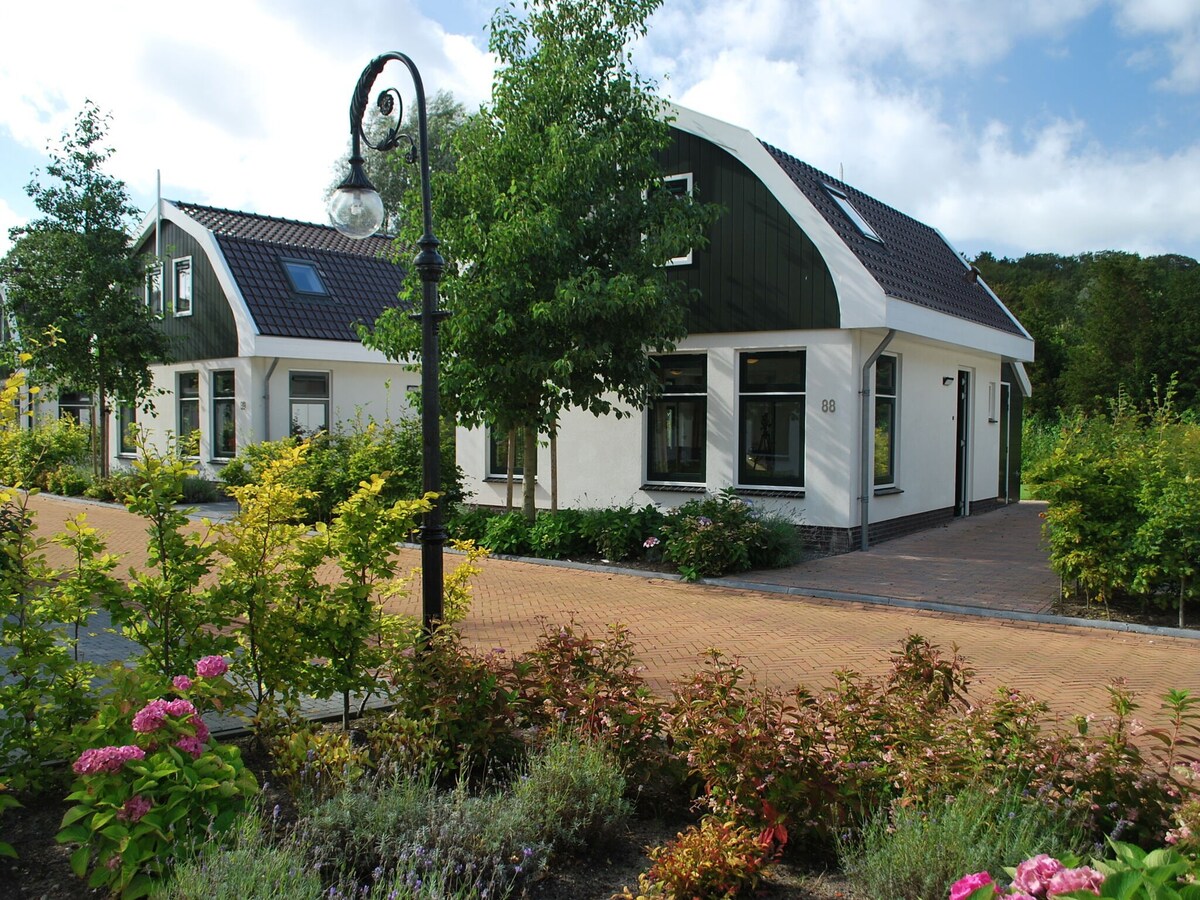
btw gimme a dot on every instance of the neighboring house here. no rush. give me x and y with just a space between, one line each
261 313
844 364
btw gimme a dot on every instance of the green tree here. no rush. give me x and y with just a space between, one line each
74 280
556 230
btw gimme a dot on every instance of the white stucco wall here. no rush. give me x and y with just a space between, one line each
602 460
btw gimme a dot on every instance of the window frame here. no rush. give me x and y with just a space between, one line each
846 205
888 400
77 406
674 398
687 179
308 400
287 262
222 401
183 267
775 394
154 290
126 416
192 401
497 455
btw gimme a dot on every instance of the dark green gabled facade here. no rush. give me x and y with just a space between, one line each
760 272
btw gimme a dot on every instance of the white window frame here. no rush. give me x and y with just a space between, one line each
193 400
126 416
183 266
154 286
327 400
686 177
851 212
219 401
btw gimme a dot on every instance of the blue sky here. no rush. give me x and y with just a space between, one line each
1017 126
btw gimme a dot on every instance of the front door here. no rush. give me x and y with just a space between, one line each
962 455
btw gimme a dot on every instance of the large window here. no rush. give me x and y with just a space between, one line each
75 405
154 290
498 454
771 418
308 410
678 421
224 420
886 395
183 286
126 420
187 399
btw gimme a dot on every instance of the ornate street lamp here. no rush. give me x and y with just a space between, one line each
356 210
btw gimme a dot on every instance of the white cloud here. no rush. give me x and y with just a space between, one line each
1177 23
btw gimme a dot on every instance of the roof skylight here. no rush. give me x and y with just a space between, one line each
304 277
853 214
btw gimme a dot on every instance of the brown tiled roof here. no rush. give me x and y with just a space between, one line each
361 281
912 262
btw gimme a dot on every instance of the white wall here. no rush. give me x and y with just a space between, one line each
602 460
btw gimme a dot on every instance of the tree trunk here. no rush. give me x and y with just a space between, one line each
554 469
1182 582
102 449
529 476
512 466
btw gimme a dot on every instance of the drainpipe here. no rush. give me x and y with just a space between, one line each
267 399
867 468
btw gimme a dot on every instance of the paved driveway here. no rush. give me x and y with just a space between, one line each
792 638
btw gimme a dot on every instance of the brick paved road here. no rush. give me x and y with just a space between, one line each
789 639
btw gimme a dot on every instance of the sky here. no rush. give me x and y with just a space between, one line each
1013 126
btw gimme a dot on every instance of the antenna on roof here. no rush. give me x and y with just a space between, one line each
841 173
158 213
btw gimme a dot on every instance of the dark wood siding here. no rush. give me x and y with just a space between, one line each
209 332
760 271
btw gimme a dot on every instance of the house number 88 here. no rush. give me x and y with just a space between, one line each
828 406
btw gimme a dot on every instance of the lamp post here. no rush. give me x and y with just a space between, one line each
356 210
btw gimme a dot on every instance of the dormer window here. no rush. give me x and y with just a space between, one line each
304 277
853 214
679 186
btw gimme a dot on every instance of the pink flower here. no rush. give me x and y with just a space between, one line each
1085 878
651 541
201 728
211 667
150 717
190 745
181 682
1033 876
135 807
968 883
106 759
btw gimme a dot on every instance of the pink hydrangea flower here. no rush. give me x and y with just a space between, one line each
194 747
181 682
968 883
1033 876
135 807
211 667
651 541
1085 878
106 759
150 717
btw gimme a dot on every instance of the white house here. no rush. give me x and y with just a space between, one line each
844 364
261 313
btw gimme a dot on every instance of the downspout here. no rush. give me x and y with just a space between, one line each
267 400
867 468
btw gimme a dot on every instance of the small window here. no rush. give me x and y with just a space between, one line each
224 420
886 396
498 454
154 294
771 418
183 287
677 435
126 420
679 186
308 409
853 214
187 399
304 277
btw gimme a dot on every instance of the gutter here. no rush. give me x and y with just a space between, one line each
866 467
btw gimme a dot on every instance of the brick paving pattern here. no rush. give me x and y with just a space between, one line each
991 561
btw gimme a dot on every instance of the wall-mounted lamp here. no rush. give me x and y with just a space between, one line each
947 380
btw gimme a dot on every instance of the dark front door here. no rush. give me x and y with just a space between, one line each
962 432
1004 489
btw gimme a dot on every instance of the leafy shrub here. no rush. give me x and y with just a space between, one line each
113 489
469 523
67 480
780 546
199 490
713 536
919 850
312 762
617 534
559 535
508 533
30 456
573 793
712 859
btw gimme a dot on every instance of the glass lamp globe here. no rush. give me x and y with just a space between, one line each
355 211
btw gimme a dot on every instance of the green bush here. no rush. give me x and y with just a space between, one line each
713 536
917 851
559 535
30 456
508 533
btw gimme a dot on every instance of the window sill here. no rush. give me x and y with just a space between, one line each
888 491
675 488
781 493
502 479
221 460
